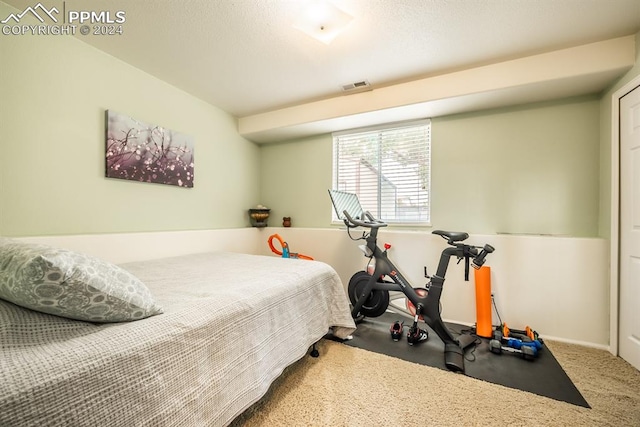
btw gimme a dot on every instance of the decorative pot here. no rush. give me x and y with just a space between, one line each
259 217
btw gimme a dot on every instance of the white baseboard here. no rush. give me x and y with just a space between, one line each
577 342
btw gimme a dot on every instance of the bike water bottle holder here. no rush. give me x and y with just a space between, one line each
366 251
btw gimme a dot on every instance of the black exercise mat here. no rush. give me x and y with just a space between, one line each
543 375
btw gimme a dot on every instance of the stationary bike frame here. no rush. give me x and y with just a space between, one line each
427 306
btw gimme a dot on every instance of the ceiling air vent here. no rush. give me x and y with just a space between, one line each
356 87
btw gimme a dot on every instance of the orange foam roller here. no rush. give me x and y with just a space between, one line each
483 302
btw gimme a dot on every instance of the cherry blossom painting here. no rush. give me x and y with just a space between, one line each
143 152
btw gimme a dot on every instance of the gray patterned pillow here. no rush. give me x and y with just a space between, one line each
72 285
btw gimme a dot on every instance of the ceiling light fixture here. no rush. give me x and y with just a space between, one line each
323 21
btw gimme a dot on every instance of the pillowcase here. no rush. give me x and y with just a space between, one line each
69 284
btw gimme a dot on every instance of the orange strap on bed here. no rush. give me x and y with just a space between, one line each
284 244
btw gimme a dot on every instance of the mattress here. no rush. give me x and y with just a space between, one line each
231 324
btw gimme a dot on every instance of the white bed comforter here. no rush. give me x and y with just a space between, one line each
231 324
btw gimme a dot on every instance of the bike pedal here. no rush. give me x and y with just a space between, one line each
417 336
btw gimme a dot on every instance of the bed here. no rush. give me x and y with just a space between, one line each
230 324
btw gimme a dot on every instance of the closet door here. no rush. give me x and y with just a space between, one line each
629 308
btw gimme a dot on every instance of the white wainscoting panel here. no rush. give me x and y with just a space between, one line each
558 286
129 247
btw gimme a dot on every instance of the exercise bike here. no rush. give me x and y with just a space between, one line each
369 293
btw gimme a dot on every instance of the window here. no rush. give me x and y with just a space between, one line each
388 168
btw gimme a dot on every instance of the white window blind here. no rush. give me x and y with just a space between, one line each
388 168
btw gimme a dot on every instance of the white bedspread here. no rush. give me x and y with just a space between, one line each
231 324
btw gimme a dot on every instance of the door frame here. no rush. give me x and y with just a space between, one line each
614 262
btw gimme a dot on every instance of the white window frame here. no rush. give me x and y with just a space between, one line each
335 156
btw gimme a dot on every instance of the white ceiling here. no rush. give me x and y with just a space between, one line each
245 57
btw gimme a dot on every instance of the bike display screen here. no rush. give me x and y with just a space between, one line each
343 201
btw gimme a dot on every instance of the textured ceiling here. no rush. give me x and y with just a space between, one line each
245 57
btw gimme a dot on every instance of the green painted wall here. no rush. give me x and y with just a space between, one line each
606 144
54 91
294 178
542 168
528 169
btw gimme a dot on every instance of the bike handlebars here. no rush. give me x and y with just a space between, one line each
452 238
372 223
479 259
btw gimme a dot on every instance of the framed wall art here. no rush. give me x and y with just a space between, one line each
144 152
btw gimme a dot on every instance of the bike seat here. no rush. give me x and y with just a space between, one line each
452 236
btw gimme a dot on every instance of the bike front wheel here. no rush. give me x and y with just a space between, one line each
375 304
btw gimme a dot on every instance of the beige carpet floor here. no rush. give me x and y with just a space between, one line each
349 386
